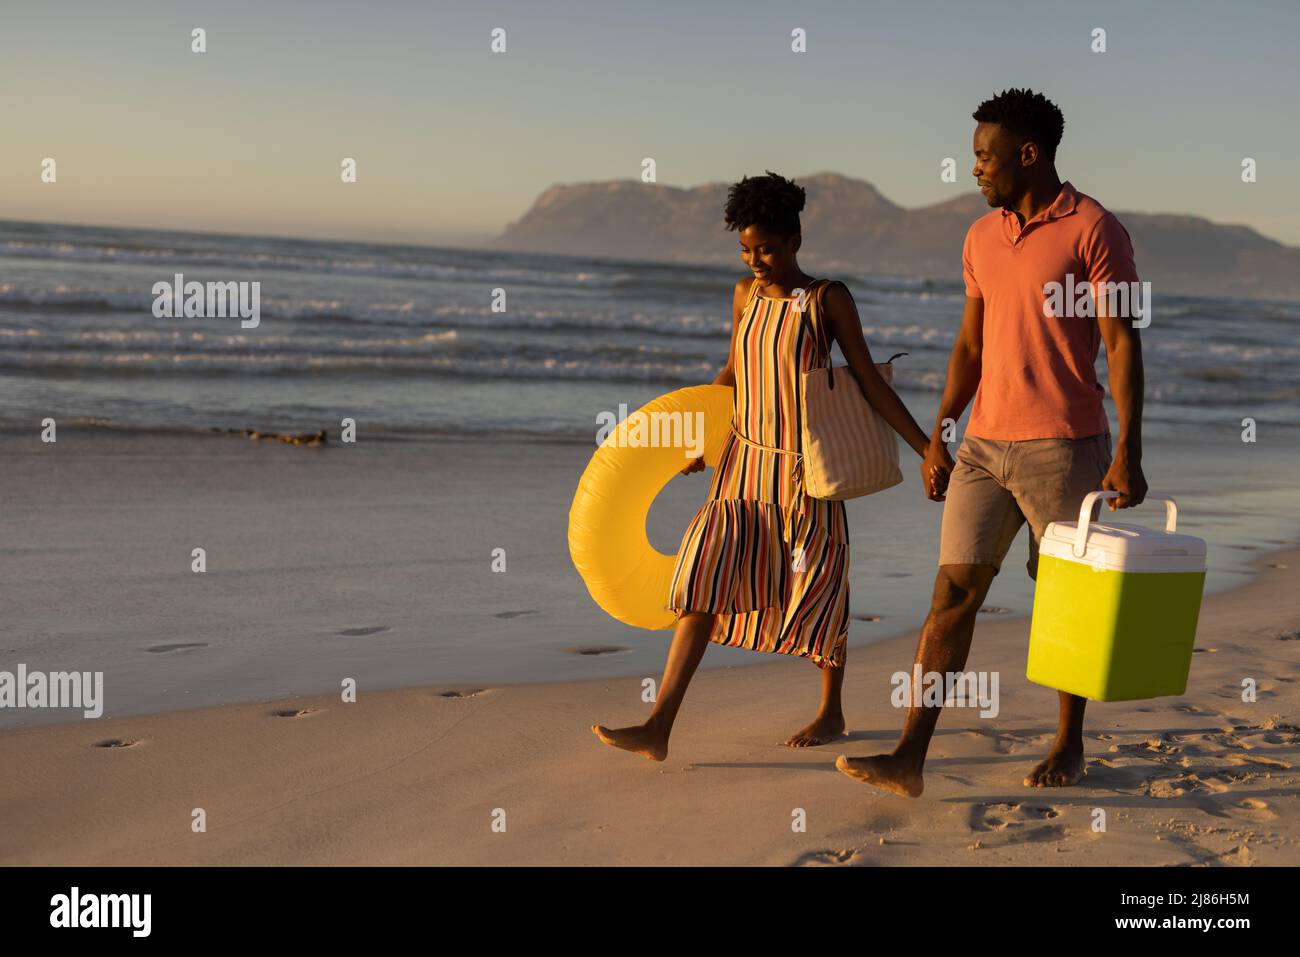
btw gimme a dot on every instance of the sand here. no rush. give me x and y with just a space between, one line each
509 774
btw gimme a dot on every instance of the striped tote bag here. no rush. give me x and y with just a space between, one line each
849 450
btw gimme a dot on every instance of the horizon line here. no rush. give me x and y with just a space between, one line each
480 238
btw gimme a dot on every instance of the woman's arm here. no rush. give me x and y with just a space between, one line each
727 376
738 298
840 314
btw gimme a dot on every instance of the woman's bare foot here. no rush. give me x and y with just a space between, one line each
885 771
824 728
1063 766
640 739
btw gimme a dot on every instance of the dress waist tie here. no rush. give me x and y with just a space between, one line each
796 476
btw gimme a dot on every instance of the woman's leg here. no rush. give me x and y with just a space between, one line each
829 723
651 739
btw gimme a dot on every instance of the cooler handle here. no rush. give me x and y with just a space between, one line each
1090 502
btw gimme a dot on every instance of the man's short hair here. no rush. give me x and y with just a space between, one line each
1026 114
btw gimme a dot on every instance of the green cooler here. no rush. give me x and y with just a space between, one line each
1115 607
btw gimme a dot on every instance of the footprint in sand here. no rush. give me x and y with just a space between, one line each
983 818
1249 737
293 712
1256 810
1168 787
827 858
1213 781
1221 780
991 817
516 614
1193 709
1164 744
1139 764
1274 763
116 743
180 646
1120 777
471 693
1018 821
1288 636
1272 724
1215 742
1004 742
363 632
1239 856
1265 689
1282 737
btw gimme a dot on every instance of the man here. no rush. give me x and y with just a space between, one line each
1038 439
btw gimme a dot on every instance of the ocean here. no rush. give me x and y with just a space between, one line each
404 339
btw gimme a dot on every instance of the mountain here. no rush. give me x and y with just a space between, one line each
849 225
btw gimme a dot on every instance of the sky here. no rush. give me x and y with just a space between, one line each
453 141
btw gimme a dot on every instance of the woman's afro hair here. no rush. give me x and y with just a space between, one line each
771 202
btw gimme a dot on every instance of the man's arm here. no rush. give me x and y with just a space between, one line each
1124 362
1108 258
963 379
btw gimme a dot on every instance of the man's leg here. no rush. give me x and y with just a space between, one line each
1050 479
959 592
980 520
1064 764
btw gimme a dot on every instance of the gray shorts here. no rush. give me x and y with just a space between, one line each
999 485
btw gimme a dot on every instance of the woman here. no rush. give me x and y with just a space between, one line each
763 566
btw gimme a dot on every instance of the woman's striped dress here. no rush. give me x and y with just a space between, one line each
770 561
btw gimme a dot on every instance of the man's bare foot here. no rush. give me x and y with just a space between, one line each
824 728
1063 766
640 739
885 771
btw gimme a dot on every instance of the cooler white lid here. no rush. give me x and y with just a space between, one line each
1123 547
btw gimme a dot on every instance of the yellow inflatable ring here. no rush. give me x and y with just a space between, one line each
626 575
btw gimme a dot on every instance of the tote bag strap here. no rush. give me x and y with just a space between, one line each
820 335
823 338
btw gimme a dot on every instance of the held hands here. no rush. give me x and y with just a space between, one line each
694 465
936 467
1125 476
